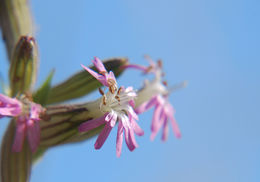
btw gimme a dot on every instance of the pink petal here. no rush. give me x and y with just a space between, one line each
156 129
7 100
103 136
165 130
111 76
119 139
35 111
135 66
33 135
98 64
132 103
91 124
9 106
129 89
137 129
169 108
157 115
113 120
109 116
149 59
19 137
132 113
146 105
10 111
130 139
103 80
175 126
141 108
93 73
125 121
170 114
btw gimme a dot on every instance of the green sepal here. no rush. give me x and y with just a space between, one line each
83 83
59 125
41 95
23 68
15 166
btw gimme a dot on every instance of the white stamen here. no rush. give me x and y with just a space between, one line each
118 102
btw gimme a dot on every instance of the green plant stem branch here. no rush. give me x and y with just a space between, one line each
15 20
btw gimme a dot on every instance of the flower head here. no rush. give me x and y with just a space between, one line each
163 113
27 116
155 94
107 79
116 105
27 124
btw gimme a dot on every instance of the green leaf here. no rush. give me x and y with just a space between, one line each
83 83
15 167
23 68
41 95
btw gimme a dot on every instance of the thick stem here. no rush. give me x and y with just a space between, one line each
15 21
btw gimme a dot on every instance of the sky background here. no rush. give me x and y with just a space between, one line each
212 44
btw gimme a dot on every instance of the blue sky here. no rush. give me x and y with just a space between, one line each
212 44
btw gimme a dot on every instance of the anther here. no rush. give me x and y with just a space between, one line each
103 73
101 91
119 90
117 98
159 63
104 100
165 83
112 85
111 82
112 89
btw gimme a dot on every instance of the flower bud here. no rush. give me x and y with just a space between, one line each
23 68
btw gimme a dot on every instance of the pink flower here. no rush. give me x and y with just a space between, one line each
27 116
155 93
116 105
163 113
107 79
28 124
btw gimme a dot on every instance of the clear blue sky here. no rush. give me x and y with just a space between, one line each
212 44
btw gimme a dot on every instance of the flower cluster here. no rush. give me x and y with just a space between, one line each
124 104
120 105
155 93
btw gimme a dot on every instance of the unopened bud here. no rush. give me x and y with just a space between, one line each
23 66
